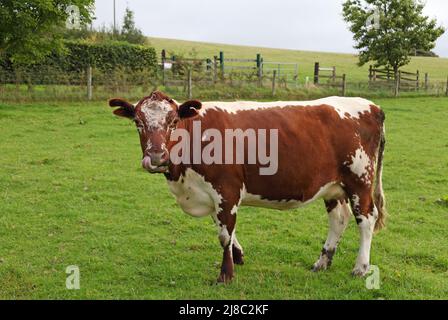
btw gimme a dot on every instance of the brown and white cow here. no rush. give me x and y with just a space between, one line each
330 149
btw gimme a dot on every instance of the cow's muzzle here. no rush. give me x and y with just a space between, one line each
156 162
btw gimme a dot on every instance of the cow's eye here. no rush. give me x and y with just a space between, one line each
139 126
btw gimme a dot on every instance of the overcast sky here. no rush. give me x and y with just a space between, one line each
314 25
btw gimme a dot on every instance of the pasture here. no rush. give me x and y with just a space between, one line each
72 192
344 63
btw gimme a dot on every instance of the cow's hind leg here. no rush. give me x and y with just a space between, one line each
237 251
339 216
366 215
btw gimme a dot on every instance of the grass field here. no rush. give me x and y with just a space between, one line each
345 63
72 193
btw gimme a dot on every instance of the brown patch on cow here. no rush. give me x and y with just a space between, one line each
226 274
330 205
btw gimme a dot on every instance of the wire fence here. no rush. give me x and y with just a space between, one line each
194 77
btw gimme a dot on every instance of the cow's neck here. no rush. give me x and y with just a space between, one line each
175 171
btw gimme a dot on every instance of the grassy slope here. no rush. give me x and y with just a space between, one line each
345 63
72 192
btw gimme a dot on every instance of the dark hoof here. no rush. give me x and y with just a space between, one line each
224 278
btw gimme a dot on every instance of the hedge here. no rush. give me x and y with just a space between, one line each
105 57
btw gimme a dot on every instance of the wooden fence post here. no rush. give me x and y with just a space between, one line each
333 75
426 81
221 61
417 81
316 73
208 69
259 69
397 83
296 75
274 77
446 92
89 83
344 85
189 84
215 68
163 66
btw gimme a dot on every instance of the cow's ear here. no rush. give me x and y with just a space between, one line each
125 109
189 109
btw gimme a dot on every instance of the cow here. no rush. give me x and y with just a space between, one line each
330 149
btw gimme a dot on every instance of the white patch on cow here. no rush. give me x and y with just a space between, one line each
355 200
148 145
236 206
155 112
361 165
345 107
331 190
224 236
194 195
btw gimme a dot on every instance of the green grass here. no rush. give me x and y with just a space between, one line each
345 63
72 193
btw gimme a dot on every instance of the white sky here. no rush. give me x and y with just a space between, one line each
314 25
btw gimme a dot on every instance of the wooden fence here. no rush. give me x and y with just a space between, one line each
402 81
326 76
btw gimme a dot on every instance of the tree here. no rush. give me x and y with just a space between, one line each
31 29
129 32
399 28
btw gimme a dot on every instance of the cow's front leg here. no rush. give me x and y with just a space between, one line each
226 222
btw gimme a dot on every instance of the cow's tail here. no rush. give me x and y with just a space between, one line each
378 193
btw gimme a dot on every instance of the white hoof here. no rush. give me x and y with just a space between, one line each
360 270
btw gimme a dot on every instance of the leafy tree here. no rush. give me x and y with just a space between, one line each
399 29
129 32
31 29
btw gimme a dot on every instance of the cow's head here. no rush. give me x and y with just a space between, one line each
155 116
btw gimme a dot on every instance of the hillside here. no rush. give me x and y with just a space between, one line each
345 63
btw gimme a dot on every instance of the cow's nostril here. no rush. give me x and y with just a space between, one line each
165 156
